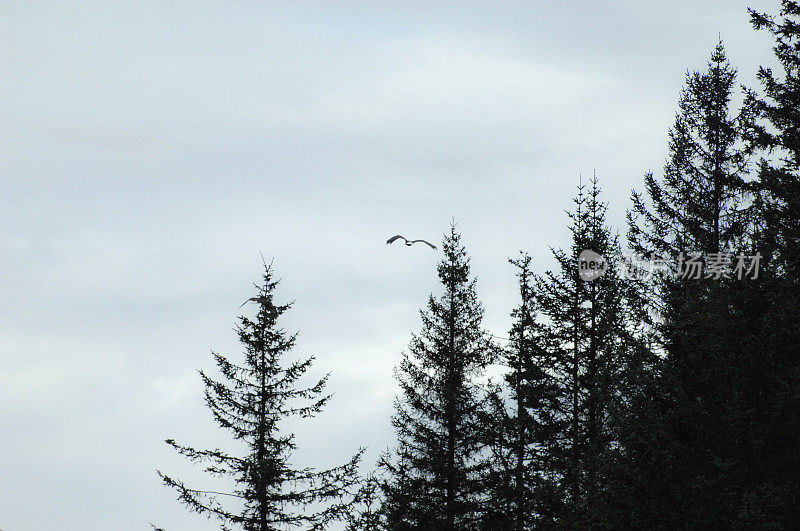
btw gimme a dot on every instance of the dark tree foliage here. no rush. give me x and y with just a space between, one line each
673 441
778 132
707 437
436 473
251 401
698 206
773 305
711 435
522 421
398 494
366 513
591 334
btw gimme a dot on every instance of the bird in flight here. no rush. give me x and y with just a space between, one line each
257 300
409 243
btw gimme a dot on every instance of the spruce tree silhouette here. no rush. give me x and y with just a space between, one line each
253 398
435 475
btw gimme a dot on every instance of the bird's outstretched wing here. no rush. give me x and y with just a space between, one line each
251 299
429 244
393 238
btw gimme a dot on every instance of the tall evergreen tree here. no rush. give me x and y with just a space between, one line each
776 129
699 205
436 471
522 420
700 435
590 330
251 401
773 304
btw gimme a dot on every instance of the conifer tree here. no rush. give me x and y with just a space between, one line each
700 204
366 513
436 472
591 335
400 491
702 434
772 338
776 129
251 401
522 420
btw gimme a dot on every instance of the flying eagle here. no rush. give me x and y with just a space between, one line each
409 243
257 300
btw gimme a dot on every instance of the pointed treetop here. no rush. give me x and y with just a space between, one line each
454 266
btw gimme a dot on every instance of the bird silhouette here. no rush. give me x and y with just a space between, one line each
257 300
409 243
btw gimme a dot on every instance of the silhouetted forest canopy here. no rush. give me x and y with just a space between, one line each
661 393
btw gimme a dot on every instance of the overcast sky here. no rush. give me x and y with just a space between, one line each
149 151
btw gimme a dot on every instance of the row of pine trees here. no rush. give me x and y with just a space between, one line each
626 402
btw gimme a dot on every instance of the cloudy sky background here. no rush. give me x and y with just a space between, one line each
150 151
